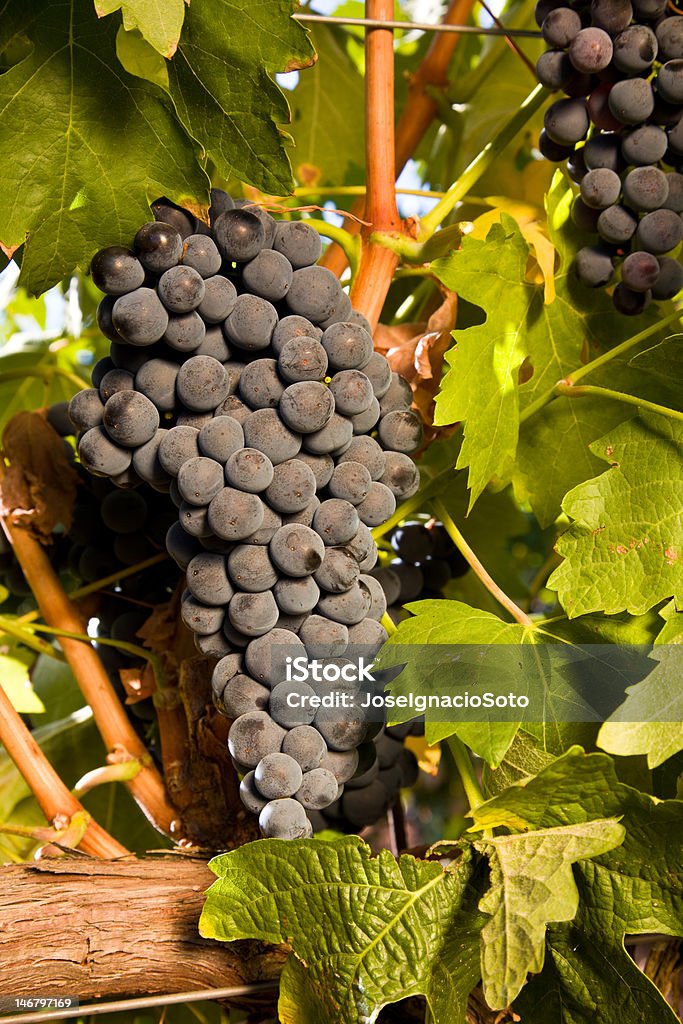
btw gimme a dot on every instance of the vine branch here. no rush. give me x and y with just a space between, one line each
419 111
377 264
117 732
54 798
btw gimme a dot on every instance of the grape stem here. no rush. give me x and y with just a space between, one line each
388 623
55 800
481 163
43 373
106 581
12 628
121 645
596 364
349 243
118 734
585 390
468 776
476 566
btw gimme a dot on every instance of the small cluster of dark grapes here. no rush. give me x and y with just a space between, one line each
425 561
111 531
241 382
620 63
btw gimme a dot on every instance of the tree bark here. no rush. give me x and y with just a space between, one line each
90 928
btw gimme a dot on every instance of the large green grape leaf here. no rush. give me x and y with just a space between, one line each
327 114
625 549
524 347
220 80
532 885
365 931
634 889
447 649
85 146
159 21
589 980
481 384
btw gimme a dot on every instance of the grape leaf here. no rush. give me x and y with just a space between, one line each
221 84
141 59
481 385
663 360
447 623
625 549
524 347
365 931
634 889
531 885
327 114
80 175
650 721
589 980
15 681
568 672
158 21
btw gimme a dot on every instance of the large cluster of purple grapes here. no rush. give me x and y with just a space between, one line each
241 382
422 563
620 129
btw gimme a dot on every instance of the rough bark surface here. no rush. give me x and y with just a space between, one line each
91 928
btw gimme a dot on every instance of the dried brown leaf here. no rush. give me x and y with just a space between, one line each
138 683
164 634
39 486
416 351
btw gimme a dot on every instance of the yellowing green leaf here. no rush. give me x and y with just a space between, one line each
365 931
15 681
481 385
529 219
158 21
139 58
532 885
624 552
